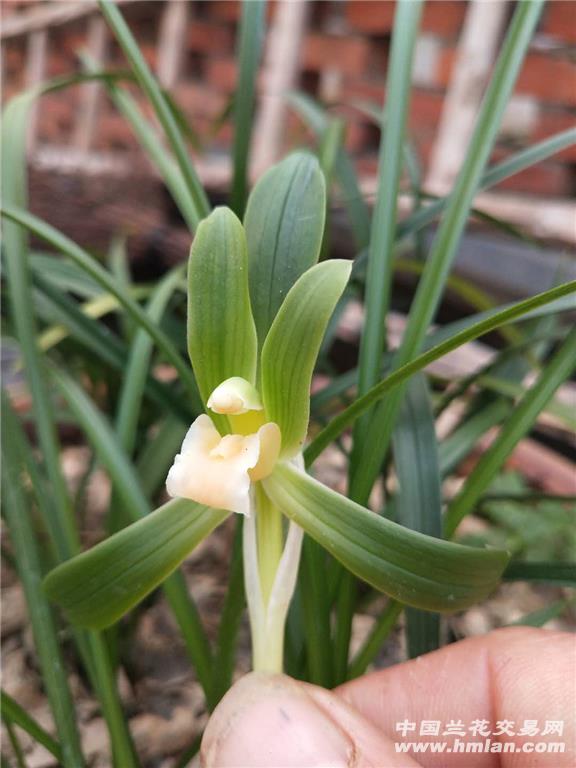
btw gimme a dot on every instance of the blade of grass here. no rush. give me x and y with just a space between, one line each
380 259
340 384
150 143
66 246
95 309
373 644
98 340
165 116
63 531
158 454
232 611
448 237
315 613
493 321
13 712
133 386
91 646
380 269
519 162
560 574
518 424
248 57
543 616
419 498
328 152
20 299
358 213
17 750
16 510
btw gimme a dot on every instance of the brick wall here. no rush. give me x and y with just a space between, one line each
343 61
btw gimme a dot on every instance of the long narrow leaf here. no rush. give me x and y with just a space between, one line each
249 51
523 416
561 574
44 630
165 115
517 163
419 498
451 228
134 383
66 246
380 259
495 320
13 713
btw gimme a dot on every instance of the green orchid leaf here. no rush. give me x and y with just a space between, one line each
97 587
284 224
221 333
291 347
415 569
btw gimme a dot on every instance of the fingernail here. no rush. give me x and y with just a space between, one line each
270 720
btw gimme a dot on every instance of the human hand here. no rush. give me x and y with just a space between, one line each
514 674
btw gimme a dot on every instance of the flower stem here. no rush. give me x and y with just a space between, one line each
270 540
270 573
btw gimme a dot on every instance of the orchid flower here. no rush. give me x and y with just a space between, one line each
258 309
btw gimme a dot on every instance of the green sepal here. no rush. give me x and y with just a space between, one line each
221 332
415 569
97 587
284 224
291 348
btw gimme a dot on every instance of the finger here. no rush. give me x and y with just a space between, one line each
273 721
512 674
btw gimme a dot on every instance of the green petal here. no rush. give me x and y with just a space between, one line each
221 332
284 224
415 569
97 587
291 347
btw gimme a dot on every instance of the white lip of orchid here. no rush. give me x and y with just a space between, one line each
234 397
217 471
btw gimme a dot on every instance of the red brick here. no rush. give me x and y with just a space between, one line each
551 79
373 16
560 20
114 133
542 180
221 74
12 59
225 10
348 54
550 123
199 100
425 110
355 135
362 89
55 118
367 165
150 54
440 17
57 62
444 17
205 37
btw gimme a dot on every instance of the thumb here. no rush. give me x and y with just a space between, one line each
268 721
